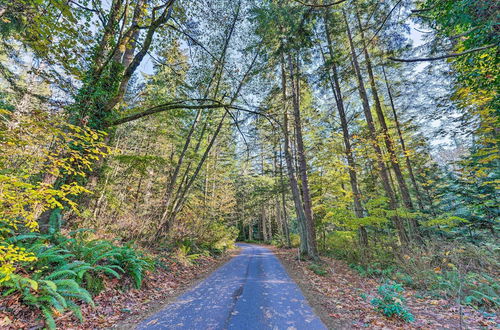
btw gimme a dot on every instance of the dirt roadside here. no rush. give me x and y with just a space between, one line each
120 305
341 298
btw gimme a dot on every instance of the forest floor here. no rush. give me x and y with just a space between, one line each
341 298
119 305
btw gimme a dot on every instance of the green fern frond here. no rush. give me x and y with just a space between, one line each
77 311
62 273
49 319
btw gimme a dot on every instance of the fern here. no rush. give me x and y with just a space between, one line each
67 268
49 319
77 311
62 273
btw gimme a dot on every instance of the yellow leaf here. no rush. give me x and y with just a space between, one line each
33 284
5 322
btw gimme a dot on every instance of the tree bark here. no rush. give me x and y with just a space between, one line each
403 145
312 249
286 229
353 179
383 171
294 186
391 149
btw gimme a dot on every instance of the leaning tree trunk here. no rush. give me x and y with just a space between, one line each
286 229
383 171
391 149
353 179
403 145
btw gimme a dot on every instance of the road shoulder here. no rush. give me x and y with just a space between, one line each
316 299
193 276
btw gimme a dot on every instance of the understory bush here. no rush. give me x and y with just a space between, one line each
318 269
391 301
184 256
463 272
66 270
295 240
342 245
215 238
279 241
219 237
456 271
373 270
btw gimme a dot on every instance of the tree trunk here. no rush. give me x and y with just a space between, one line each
294 186
391 149
286 229
403 146
383 172
312 249
335 85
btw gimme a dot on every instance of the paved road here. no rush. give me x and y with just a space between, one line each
252 291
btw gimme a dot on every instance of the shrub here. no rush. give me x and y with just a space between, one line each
373 270
318 269
49 294
184 256
218 238
455 271
479 290
278 241
391 301
23 194
295 240
67 268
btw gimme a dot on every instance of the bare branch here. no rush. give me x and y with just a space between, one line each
424 59
166 107
383 22
325 5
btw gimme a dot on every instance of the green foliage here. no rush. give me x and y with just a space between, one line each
67 268
446 271
391 301
184 256
373 270
279 241
218 237
49 295
318 269
24 196
479 290
295 240
342 245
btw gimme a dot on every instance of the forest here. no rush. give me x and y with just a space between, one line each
358 139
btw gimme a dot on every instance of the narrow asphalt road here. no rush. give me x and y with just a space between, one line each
252 291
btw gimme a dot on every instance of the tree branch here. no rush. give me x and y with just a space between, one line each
326 5
424 59
165 107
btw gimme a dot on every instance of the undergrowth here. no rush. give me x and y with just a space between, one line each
318 269
391 302
68 270
460 271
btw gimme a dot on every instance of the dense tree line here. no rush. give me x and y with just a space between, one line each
311 124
